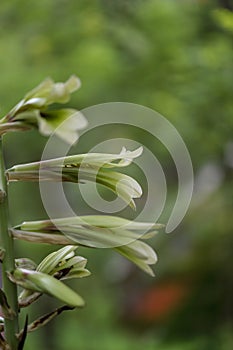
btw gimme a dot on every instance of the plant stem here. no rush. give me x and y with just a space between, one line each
6 243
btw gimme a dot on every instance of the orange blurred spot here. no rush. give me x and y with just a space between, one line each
160 301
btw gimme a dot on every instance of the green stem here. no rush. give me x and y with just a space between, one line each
6 243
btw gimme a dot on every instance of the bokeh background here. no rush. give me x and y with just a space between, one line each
176 58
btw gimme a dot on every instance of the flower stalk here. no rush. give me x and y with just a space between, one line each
6 243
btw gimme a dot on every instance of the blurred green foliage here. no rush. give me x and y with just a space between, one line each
172 56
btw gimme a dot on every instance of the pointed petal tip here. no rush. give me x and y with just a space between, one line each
73 83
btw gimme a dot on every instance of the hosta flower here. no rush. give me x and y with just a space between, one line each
32 111
94 167
64 264
59 265
43 283
49 92
122 235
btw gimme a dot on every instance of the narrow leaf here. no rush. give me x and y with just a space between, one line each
23 335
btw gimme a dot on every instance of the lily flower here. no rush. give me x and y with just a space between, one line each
81 168
32 111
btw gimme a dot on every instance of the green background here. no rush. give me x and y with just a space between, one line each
176 58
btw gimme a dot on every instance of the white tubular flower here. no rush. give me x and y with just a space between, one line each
32 111
60 265
120 234
93 167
